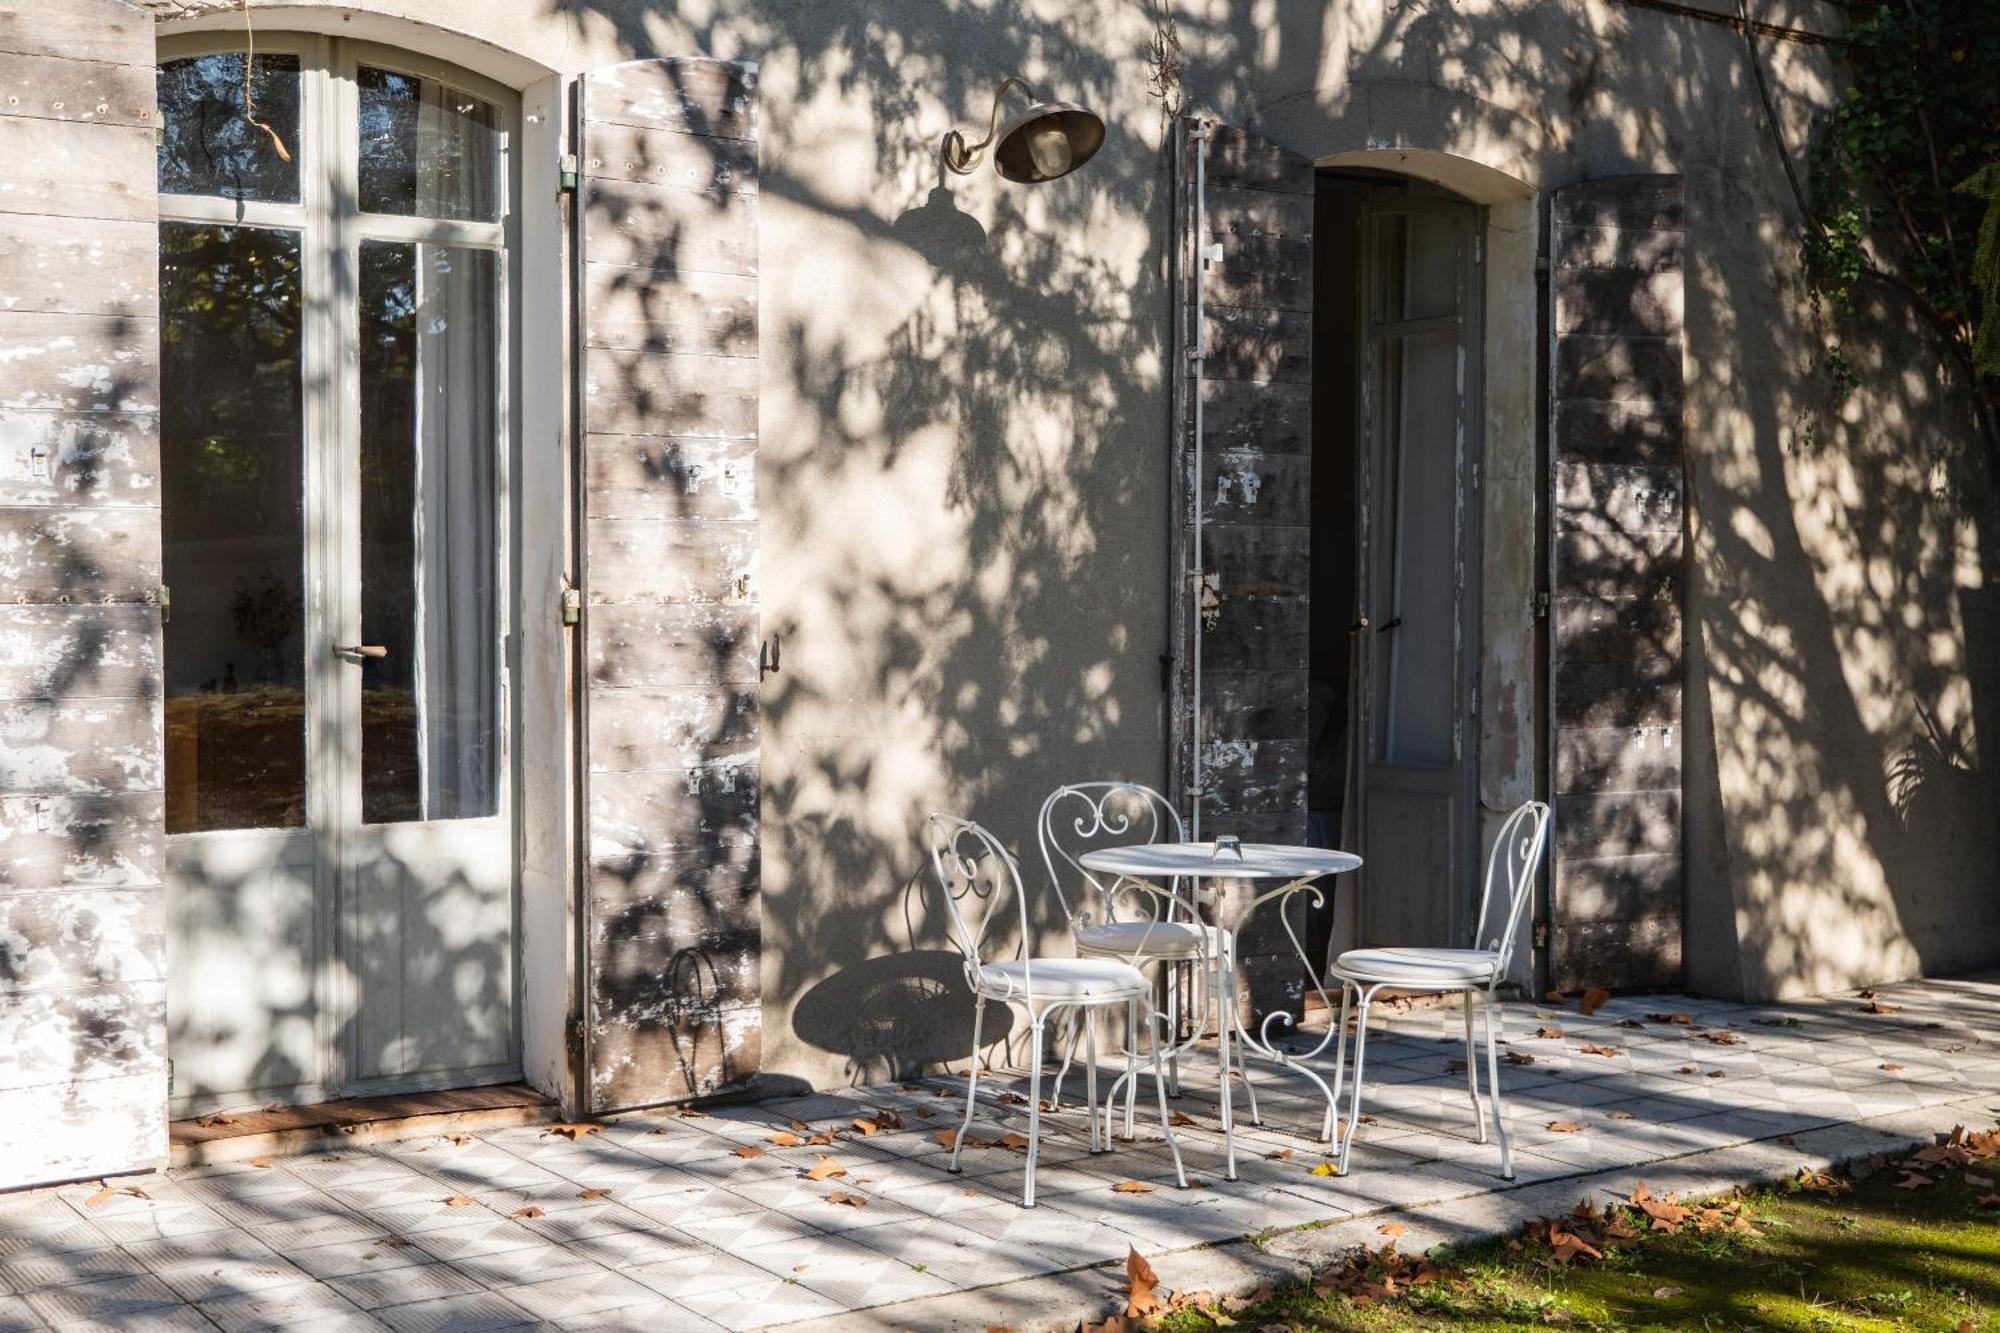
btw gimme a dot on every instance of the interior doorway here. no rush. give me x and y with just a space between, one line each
1395 553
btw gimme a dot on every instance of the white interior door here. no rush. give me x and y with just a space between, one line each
1418 387
333 448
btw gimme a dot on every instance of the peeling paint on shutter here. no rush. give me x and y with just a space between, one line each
667 297
83 1086
1616 303
1256 400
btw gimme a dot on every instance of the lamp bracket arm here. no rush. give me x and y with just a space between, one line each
962 157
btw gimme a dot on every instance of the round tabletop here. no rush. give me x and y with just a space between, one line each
1259 860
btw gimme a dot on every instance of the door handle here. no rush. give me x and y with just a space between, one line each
361 650
1388 624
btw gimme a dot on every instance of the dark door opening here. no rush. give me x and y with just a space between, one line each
1394 627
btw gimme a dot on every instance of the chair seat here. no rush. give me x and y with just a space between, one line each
1149 939
1417 967
1064 979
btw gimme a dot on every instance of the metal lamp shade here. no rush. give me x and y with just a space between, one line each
1048 140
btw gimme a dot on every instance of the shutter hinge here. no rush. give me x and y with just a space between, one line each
1541 606
166 603
1478 248
572 603
573 1036
1542 934
568 179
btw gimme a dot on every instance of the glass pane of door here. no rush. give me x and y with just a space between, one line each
427 149
233 527
223 135
430 724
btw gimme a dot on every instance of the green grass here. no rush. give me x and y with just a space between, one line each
1880 1258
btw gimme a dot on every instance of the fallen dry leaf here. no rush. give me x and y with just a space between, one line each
593 1194
1140 1281
1554 997
529 1211
573 1132
1592 1048
1677 1019
946 1138
819 1140
103 1196
1454 1066
459 1201
866 1127
847 1200
1565 1127
1519 1058
1325 1169
214 1121
396 1242
262 1163
747 1151
1820 1182
784 1139
1391 1229
1593 1000
1131 1187
1723 1038
826 1170
1179 1120
1549 1033
1877 1007
1687 1069
458 1140
1622 1115
1892 1067
1019 1142
1281 1155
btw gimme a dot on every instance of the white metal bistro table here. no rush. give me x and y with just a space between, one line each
1296 869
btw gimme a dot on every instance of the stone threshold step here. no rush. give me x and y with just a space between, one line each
236 1136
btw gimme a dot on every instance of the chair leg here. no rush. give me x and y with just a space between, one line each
1243 1066
971 1081
1493 1080
1087 1016
1160 1095
1069 1057
1472 1072
1339 1064
1360 1052
1223 1028
1172 973
1034 1111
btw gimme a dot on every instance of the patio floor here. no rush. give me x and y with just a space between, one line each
656 1223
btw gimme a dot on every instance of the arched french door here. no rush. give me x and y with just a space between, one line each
334 242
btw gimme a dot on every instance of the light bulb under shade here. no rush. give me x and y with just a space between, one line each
1048 140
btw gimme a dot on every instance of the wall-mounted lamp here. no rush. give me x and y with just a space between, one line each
1048 140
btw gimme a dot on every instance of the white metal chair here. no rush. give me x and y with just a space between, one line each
1477 971
972 865
1132 920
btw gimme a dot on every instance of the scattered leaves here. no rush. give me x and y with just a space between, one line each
1593 1000
1820 1182
1454 1066
1141 1298
104 1195
458 1140
593 1194
1723 1038
573 1132
1281 1155
826 1170
1131 1187
1913 1180
1677 1019
1565 1127
396 1242
1621 1115
530 1211
1180 1120
1665 1211
846 1200
216 1121
747 1151
460 1201
1325 1169
1877 1007
866 1127
1017 1142
1667 1293
1391 1229
1891 1067
1592 1048
261 1163
1549 1033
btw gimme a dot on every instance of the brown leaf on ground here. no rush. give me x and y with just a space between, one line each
217 1120
1324 1169
1622 1115
529 1211
1519 1058
1281 1155
261 1163
1593 1000
1131 1187
1017 1142
1723 1038
1877 1007
921 1112
1181 1120
826 1170
1864 994
1454 1066
1687 1069
846 1200
1628 1023
685 1113
1820 1182
104 1195
396 1242
1677 1019
1549 1033
1554 997
593 1193
458 1140
747 1151
1565 1127
866 1127
784 1139
1665 1211
460 1201
945 1138
1891 1067
888 1120
801 1124
819 1140
1717 1073
1592 1048
1141 1298
573 1132
1391 1229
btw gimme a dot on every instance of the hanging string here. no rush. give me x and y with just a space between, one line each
249 103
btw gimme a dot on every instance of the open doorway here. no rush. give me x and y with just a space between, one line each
1394 628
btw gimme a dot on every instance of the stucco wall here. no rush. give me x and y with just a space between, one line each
964 425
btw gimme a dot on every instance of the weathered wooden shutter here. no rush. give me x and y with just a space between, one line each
1616 284
1254 490
667 320
83 1060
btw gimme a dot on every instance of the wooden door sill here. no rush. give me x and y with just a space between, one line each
237 1136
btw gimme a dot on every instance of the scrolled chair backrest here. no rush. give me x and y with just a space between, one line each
1080 816
1510 880
975 874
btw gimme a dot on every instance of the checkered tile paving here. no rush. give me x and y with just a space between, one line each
658 1223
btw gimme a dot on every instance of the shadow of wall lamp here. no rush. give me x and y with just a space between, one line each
1047 140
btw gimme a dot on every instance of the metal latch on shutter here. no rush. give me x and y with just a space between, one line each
566 183
572 603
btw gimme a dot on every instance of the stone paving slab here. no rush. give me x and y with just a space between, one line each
665 1222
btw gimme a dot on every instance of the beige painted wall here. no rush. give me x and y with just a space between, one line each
964 439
